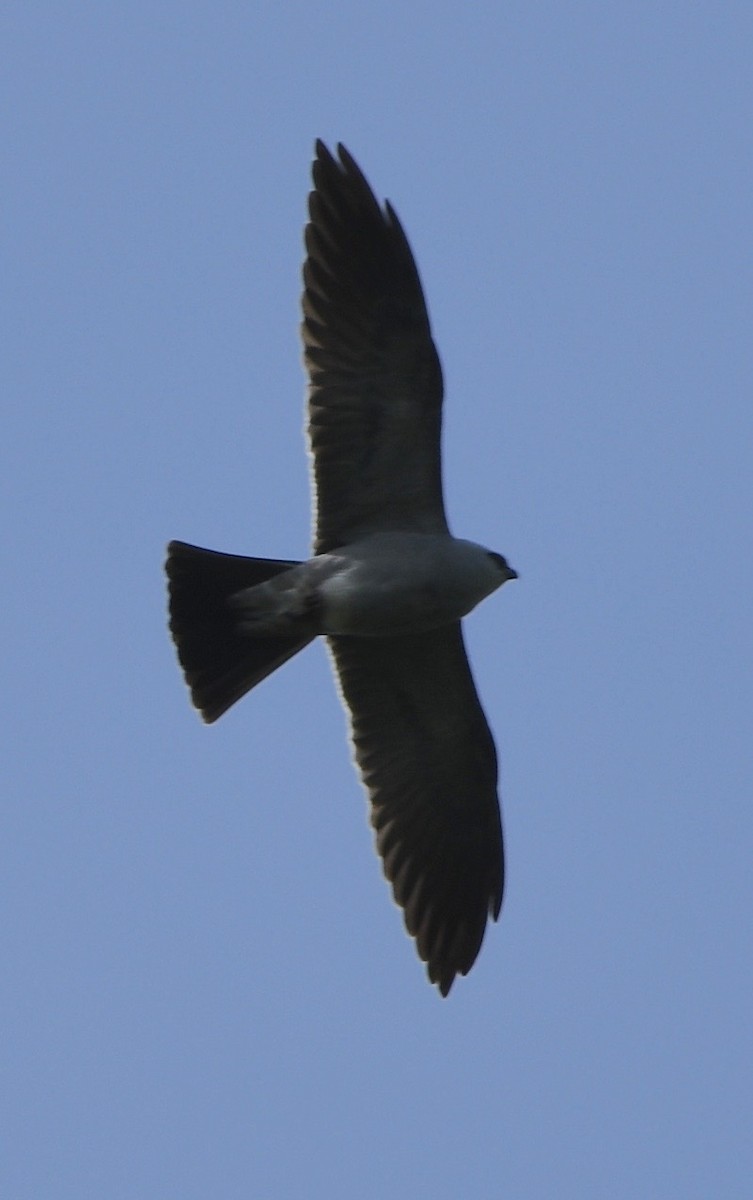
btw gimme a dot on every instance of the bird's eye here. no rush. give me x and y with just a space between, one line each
503 565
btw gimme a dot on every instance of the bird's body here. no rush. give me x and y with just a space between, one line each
387 585
382 586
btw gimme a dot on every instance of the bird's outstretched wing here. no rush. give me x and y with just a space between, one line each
428 762
375 398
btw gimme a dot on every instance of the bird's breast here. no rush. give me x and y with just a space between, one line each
395 586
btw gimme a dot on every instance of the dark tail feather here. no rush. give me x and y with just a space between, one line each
220 665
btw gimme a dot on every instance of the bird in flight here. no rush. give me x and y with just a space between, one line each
387 584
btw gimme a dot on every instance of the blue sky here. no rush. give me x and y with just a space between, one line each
207 991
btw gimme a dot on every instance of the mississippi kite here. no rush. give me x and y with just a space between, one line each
387 584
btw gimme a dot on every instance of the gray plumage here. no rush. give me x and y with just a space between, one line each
387 586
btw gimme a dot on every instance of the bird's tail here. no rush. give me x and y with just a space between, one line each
220 663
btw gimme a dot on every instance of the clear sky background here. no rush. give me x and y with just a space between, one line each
206 989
